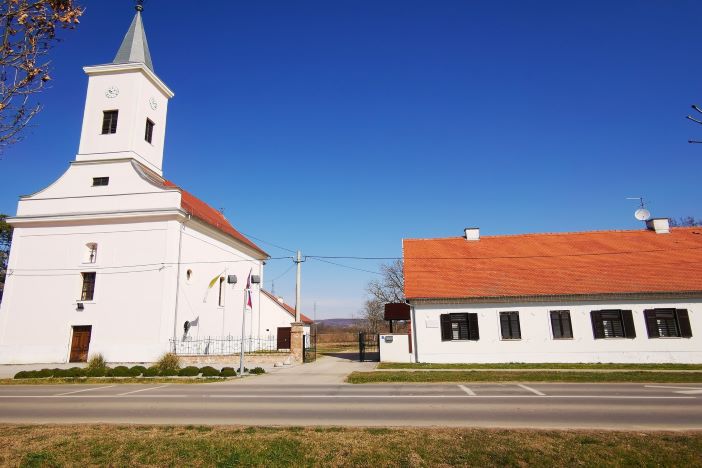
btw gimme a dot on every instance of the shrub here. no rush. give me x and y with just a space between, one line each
44 373
136 371
168 362
56 372
23 374
75 372
121 371
228 372
97 361
96 372
150 372
209 371
190 371
168 372
257 370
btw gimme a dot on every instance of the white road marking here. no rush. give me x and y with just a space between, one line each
691 392
141 390
532 390
668 386
467 390
84 390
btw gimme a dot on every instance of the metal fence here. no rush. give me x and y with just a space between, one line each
225 346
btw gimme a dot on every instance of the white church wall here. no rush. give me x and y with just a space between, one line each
43 290
274 316
207 255
537 343
73 192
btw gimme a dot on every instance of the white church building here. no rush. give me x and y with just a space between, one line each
112 257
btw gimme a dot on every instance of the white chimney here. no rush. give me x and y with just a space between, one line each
660 225
472 234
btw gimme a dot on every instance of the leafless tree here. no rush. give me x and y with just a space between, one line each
5 242
28 29
685 221
390 287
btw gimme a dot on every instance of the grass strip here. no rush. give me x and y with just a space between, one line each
110 380
107 445
527 376
523 365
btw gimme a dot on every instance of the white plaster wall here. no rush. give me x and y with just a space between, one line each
537 343
135 90
73 192
273 316
396 349
126 315
208 255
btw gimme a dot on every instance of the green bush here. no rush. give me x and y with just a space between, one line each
44 373
23 374
168 373
75 372
121 371
150 372
190 371
209 371
96 372
97 361
168 362
227 372
136 371
257 370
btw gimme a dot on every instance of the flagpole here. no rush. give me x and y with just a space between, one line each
243 329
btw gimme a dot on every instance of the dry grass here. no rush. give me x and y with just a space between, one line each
523 365
107 445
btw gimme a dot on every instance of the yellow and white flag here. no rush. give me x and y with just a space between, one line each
212 283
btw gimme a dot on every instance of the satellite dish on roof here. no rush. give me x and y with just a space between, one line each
642 214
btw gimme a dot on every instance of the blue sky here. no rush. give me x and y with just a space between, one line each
342 127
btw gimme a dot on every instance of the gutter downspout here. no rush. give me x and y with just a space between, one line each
175 313
414 334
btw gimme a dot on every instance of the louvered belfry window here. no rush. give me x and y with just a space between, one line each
509 324
149 131
88 291
109 122
612 323
455 327
668 323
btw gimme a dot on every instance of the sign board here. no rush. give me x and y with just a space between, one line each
397 311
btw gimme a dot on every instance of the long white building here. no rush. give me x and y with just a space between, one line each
612 296
112 257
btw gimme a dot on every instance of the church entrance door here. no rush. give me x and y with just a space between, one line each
80 343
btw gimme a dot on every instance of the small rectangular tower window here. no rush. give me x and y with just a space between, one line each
97 181
109 122
149 132
88 290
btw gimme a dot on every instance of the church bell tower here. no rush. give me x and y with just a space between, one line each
126 105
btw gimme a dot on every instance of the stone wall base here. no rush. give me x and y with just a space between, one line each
231 360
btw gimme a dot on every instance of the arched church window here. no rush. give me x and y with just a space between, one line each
221 292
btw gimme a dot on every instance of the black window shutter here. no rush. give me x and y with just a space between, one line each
504 326
628 321
597 328
516 328
567 326
446 333
684 323
473 327
651 325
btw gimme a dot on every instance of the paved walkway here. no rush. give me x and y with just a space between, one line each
326 370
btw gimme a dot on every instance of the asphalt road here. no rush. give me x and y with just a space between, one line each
608 406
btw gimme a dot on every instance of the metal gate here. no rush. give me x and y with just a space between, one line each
368 347
309 348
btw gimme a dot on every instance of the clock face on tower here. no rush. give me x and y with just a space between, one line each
153 103
112 92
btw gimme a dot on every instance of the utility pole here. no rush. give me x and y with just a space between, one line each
298 305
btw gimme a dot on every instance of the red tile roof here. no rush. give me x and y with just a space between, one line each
290 310
205 213
579 263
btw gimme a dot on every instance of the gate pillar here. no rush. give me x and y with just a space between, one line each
297 330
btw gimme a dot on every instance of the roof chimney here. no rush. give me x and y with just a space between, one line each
472 234
660 225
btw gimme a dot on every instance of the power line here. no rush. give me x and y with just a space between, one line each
345 266
89 266
268 243
284 273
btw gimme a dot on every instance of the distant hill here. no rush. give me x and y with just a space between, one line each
339 323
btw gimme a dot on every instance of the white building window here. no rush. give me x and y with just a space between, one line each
91 252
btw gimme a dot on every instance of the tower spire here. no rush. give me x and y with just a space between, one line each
134 46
